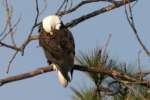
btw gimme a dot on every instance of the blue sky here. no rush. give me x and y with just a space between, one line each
88 35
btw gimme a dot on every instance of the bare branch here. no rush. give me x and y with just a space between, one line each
11 60
76 7
97 12
61 6
130 19
9 13
17 50
34 25
10 46
81 4
11 30
25 43
25 75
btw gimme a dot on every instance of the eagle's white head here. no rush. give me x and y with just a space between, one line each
50 23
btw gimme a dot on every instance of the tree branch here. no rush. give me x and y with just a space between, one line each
34 25
25 75
97 12
122 77
9 46
76 7
130 20
18 49
25 43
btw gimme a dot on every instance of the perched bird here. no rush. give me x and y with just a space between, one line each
58 45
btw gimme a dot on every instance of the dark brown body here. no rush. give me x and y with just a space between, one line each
59 48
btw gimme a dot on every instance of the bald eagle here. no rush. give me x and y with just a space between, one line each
58 45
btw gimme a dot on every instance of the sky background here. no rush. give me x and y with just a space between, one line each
88 35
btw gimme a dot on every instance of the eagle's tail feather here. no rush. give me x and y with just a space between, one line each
63 78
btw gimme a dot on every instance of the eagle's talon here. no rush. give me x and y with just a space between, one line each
54 66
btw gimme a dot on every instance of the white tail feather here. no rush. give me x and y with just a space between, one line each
62 79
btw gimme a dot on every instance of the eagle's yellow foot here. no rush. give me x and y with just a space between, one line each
54 66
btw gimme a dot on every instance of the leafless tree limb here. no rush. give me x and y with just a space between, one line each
11 30
117 4
11 60
122 77
34 25
9 46
61 6
22 48
131 22
75 7
17 50
26 42
81 4
25 75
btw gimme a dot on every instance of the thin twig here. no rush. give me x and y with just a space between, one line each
130 20
17 50
9 11
34 25
11 60
61 6
11 30
8 15
25 43
10 46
